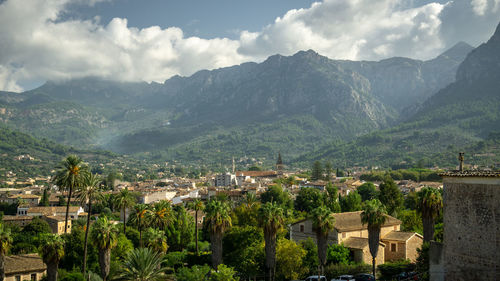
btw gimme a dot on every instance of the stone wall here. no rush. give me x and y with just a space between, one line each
471 228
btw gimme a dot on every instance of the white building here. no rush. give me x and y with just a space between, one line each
226 179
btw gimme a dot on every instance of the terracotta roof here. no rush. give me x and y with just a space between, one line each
399 236
23 263
24 196
470 173
49 211
352 221
56 218
357 243
256 173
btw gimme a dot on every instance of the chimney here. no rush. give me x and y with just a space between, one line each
461 159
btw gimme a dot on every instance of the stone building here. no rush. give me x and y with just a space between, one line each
471 243
24 267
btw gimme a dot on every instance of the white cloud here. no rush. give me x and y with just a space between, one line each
36 44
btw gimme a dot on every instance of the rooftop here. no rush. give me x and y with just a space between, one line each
23 263
352 221
399 236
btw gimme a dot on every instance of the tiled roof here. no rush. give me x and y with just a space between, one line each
256 173
15 218
23 263
49 211
357 243
399 236
470 173
352 221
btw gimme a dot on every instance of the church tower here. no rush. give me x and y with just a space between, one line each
279 165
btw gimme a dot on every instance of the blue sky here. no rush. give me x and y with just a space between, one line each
152 40
203 18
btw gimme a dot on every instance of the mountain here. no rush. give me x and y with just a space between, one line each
464 116
287 103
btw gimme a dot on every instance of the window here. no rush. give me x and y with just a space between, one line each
393 247
344 235
301 228
395 227
18 277
33 277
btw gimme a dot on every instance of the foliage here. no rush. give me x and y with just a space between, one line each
181 231
336 254
275 193
308 199
195 273
411 221
317 171
224 273
142 264
390 269
422 263
310 260
289 258
243 249
367 191
333 270
391 196
351 202
122 249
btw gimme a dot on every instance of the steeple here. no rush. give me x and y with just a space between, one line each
279 165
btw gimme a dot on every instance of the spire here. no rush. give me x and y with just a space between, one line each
234 166
279 162
461 159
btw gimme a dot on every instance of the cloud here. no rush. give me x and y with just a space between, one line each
38 43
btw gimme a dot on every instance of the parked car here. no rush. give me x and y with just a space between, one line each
315 278
344 278
364 277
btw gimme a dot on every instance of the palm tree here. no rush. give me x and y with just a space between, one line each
323 222
430 205
160 215
142 264
218 220
197 205
69 177
88 191
156 240
104 236
374 214
139 218
5 242
124 200
271 219
52 251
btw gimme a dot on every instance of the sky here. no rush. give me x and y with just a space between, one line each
152 40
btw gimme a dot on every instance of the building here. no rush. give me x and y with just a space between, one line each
471 242
226 179
74 211
56 224
29 199
24 267
17 220
156 196
350 232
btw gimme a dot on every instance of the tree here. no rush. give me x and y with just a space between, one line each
197 206
430 205
328 171
5 243
88 191
275 193
391 196
323 222
139 218
289 258
156 240
351 202
51 251
374 215
331 198
308 199
271 220
218 220
160 216
310 260
317 171
180 231
124 200
368 191
104 236
44 201
337 254
143 264
69 177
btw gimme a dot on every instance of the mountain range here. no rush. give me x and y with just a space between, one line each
307 106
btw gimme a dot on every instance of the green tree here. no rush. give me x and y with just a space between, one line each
351 202
181 231
368 191
323 222
104 237
244 249
224 273
197 206
271 220
374 215
410 221
195 273
160 216
143 264
156 240
275 193
310 260
317 171
430 205
308 199
88 192
331 198
218 220
5 243
124 200
338 254
51 251
391 196
69 177
328 171
44 201
289 258
140 218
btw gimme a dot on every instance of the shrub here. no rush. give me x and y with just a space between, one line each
334 270
389 269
